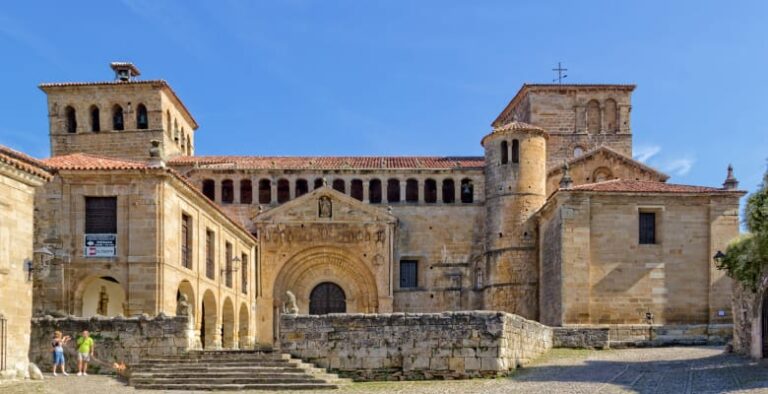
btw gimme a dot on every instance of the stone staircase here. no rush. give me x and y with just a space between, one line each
231 370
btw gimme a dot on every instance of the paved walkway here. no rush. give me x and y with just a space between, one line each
659 370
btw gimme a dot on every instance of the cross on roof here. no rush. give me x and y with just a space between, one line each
560 74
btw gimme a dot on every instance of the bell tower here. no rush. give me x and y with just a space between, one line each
515 182
118 118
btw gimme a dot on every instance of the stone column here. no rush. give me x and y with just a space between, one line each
236 190
366 190
291 188
217 337
457 190
385 191
217 190
403 185
273 187
439 187
603 126
422 184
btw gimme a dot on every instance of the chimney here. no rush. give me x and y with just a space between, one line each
731 183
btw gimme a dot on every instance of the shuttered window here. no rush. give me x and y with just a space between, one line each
101 215
210 266
186 241
409 274
647 228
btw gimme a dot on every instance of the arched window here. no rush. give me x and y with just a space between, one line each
593 116
449 191
504 152
209 189
71 125
142 120
515 151
183 140
95 121
168 121
189 146
117 118
430 191
340 186
393 190
611 115
227 191
283 190
374 191
356 189
318 183
302 187
467 191
246 191
578 151
176 131
412 190
265 191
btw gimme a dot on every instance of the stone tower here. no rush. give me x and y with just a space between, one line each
515 188
118 118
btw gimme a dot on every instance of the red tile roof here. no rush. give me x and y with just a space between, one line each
23 162
158 82
328 162
632 186
515 126
86 162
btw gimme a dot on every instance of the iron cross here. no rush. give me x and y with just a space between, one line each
560 74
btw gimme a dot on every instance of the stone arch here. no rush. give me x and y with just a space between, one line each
185 288
142 119
228 325
210 337
95 119
602 174
70 119
243 327
305 270
593 116
611 115
100 295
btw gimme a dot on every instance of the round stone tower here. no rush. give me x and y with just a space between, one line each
515 188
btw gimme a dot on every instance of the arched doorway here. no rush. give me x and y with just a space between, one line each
327 298
228 325
242 334
208 313
103 296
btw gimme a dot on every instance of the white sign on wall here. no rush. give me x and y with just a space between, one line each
100 245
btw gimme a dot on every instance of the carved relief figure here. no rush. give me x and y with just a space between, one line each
325 209
290 307
103 302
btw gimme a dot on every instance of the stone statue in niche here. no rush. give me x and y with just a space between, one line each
103 302
324 207
182 305
290 307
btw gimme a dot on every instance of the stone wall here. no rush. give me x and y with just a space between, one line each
403 346
747 314
639 335
117 340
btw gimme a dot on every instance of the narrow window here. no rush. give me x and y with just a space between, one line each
467 191
356 189
340 186
244 273
95 121
227 191
189 146
142 121
611 114
283 190
71 120
265 191
449 191
593 116
168 123
515 151
647 228
318 183
430 191
393 190
186 241
210 253
374 191
504 152
228 267
117 118
246 191
101 215
209 189
302 187
183 140
412 190
409 271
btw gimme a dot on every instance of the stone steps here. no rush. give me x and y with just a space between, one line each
230 370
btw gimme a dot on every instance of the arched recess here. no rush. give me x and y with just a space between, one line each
209 337
611 115
593 116
228 324
185 289
103 296
305 270
602 174
243 327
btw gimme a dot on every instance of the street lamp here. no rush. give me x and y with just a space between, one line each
40 264
718 258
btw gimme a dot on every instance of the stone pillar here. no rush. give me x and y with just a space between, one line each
273 187
236 190
291 188
422 185
403 185
385 191
603 126
439 187
217 337
366 191
217 190
457 190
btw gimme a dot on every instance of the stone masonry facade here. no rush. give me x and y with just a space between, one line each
404 346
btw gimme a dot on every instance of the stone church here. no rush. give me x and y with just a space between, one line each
556 222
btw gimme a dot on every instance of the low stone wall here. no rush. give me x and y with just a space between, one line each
117 340
412 346
640 335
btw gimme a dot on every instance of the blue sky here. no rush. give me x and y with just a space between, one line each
405 77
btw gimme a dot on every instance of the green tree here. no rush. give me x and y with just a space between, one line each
746 258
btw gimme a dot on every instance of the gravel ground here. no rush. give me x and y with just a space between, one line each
656 370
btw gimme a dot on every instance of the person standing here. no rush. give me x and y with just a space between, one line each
58 351
84 352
